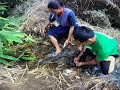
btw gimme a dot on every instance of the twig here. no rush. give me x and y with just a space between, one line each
11 78
96 85
24 72
64 80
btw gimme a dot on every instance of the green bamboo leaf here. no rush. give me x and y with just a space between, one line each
8 57
15 21
29 39
1 50
19 34
3 39
28 58
3 61
10 23
8 27
13 38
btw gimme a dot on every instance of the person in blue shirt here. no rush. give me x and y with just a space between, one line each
66 19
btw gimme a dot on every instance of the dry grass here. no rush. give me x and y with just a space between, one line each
35 16
47 78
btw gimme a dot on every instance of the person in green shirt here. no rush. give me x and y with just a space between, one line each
103 47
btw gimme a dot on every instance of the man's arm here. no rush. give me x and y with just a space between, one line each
72 21
46 25
82 49
90 62
70 33
51 19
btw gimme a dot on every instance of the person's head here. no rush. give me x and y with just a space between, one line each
84 35
54 7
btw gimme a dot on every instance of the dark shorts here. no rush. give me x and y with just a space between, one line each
107 66
59 31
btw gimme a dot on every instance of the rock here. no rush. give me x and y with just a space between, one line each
69 72
97 18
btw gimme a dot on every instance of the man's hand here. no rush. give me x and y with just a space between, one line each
90 62
66 43
79 48
79 64
69 36
76 60
42 30
45 27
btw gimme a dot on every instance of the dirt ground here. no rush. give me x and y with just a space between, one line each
33 76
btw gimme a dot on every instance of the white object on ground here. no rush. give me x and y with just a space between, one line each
69 72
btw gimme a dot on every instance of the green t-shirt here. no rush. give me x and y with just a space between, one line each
104 46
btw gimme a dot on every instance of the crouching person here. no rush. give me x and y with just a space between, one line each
66 20
104 47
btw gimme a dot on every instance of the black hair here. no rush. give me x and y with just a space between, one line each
54 4
83 33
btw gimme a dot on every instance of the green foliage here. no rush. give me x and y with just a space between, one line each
3 8
13 2
6 6
10 35
8 57
29 39
10 23
28 58
8 51
1 50
3 61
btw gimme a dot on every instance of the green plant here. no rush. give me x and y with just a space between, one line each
11 36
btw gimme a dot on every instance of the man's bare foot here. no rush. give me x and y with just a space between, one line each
53 54
56 53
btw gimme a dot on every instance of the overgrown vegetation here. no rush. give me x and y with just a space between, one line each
8 5
11 38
